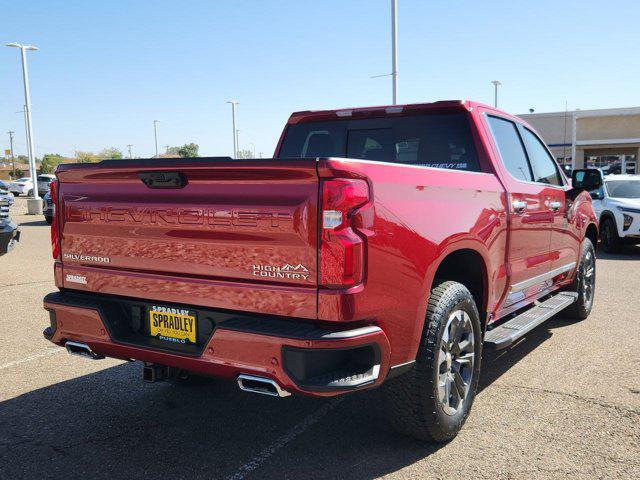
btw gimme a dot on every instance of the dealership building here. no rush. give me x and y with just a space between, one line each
607 139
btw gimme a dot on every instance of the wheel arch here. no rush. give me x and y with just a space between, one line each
468 267
591 232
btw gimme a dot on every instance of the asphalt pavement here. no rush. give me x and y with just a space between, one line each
563 403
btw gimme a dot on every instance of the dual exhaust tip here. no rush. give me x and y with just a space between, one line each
153 373
261 385
82 350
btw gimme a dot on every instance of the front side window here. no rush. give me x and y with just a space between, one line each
511 150
433 140
543 166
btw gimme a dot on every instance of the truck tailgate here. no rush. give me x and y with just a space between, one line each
248 224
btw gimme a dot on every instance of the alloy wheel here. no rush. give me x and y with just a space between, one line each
588 277
455 362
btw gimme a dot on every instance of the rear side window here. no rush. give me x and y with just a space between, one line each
511 150
435 140
543 166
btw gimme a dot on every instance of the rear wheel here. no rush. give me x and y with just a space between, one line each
30 193
611 242
432 401
584 283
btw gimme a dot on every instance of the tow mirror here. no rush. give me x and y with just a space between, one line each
586 179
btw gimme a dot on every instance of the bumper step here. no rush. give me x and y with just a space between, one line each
507 333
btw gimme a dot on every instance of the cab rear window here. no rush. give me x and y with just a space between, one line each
436 140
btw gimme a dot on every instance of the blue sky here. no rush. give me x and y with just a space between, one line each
107 69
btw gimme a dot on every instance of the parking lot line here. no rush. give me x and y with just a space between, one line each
282 441
46 353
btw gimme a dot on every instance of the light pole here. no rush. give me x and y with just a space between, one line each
394 49
13 163
495 92
34 207
129 147
235 132
155 134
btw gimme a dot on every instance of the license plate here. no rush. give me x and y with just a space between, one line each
176 325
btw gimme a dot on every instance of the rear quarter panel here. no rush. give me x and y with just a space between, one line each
416 217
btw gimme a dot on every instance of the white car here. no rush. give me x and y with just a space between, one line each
44 180
617 204
21 186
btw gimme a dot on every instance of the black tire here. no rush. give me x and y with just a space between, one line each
30 193
584 283
609 237
49 220
412 400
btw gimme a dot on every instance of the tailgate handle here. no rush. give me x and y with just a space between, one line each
163 179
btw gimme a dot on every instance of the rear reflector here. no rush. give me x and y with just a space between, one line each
55 239
342 249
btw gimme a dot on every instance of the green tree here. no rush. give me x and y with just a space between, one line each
86 157
173 151
50 161
110 154
188 150
18 173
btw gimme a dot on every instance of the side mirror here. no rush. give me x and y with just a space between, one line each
586 179
595 195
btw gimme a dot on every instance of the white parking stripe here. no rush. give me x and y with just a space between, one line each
46 353
263 456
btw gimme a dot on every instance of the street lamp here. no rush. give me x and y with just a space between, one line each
155 134
235 132
34 206
495 92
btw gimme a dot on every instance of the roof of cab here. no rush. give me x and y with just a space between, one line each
379 111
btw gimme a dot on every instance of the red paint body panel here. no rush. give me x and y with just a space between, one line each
208 244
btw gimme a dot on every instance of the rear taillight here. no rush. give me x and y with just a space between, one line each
55 238
341 248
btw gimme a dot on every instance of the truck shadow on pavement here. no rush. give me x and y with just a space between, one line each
109 424
628 252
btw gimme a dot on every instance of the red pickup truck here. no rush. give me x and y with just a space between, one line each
383 245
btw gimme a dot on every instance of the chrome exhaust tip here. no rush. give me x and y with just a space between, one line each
263 386
82 350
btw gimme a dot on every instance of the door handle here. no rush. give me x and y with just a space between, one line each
519 207
555 206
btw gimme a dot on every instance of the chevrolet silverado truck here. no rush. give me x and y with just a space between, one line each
382 246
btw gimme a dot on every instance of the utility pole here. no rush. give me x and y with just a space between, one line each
155 133
394 49
13 162
495 92
166 148
129 147
34 207
235 132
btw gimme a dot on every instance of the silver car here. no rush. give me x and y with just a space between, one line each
43 182
48 208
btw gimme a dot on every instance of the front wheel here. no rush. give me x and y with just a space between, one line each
584 283
432 401
611 242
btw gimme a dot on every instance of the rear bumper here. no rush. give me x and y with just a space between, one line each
302 357
9 236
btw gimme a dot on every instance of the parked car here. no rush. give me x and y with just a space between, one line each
617 205
5 196
48 209
44 180
21 186
9 232
381 246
